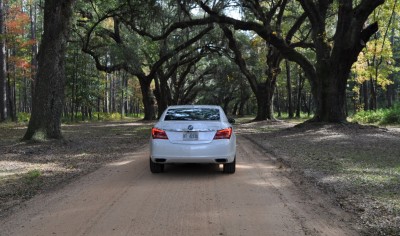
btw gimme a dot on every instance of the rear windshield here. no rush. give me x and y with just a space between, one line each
192 114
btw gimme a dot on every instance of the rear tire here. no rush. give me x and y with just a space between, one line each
156 167
230 168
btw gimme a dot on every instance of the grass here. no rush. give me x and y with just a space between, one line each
380 116
285 116
32 175
23 118
243 119
102 116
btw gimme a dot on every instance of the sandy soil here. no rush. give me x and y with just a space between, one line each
124 198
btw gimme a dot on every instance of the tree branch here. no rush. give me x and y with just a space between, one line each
239 58
173 52
365 8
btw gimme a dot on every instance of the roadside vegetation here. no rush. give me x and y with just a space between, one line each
380 116
23 118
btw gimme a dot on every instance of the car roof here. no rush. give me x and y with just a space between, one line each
194 106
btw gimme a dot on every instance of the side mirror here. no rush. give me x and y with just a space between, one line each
231 120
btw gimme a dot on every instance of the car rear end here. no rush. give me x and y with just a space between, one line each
192 134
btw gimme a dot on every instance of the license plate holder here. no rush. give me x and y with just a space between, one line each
191 136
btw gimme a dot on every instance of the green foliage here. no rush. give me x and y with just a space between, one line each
368 117
381 116
102 116
32 175
23 117
96 116
107 116
303 116
392 116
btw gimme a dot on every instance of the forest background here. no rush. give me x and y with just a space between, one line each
135 58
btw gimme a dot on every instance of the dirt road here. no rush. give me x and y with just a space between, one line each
124 198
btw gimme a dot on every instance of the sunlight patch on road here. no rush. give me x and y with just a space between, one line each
120 163
331 137
9 168
81 155
239 166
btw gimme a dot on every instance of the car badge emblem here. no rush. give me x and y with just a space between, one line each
190 127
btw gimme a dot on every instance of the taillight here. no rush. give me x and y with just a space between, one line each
223 133
158 134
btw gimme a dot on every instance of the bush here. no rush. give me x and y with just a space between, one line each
381 116
107 116
368 116
23 117
392 116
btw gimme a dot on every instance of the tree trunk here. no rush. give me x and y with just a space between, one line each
160 95
391 87
126 101
34 49
330 92
11 98
112 93
242 104
106 96
278 103
261 107
364 90
300 85
289 89
124 97
264 97
373 97
225 103
389 97
148 100
3 67
48 100
308 104
74 81
235 108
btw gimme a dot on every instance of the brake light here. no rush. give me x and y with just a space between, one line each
223 133
158 134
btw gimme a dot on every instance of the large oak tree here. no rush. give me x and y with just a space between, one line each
335 55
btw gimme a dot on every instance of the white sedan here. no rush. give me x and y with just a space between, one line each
193 134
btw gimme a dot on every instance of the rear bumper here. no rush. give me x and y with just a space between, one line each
218 151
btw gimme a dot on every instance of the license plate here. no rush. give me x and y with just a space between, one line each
190 136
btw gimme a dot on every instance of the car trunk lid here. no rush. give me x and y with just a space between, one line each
187 132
